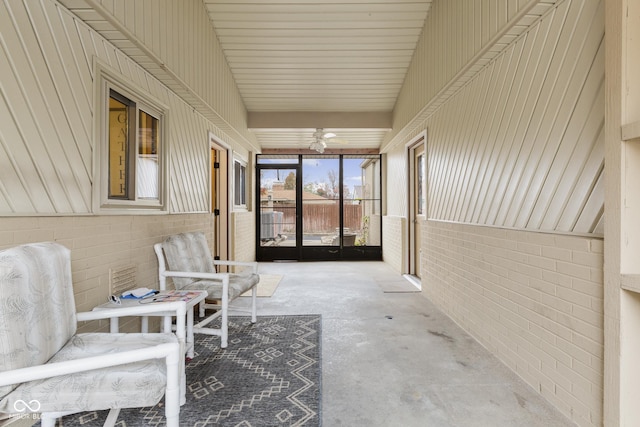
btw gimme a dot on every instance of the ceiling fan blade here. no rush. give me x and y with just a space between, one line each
320 137
337 140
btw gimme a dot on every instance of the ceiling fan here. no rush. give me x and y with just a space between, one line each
321 138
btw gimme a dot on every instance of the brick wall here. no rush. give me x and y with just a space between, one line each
243 236
393 236
535 300
101 243
375 224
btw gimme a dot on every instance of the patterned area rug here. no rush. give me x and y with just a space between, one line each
269 375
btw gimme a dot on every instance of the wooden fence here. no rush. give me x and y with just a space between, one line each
321 218
326 218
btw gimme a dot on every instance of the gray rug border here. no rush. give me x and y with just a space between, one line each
320 363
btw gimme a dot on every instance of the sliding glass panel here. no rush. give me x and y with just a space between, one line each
362 203
278 207
320 200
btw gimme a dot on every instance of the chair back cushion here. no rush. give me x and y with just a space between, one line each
37 308
188 252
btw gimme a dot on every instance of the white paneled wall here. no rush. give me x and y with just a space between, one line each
45 114
175 42
521 144
46 137
460 37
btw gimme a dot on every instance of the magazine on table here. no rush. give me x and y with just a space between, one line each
170 296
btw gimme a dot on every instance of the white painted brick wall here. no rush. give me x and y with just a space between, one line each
244 235
99 243
393 236
535 300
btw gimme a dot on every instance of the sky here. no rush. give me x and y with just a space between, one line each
315 170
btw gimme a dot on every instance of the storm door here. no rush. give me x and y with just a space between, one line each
278 224
219 200
417 205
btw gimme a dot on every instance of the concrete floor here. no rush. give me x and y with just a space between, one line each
393 359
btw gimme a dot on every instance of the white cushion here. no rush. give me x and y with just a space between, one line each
37 308
190 252
138 384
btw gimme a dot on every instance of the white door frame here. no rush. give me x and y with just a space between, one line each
216 144
412 258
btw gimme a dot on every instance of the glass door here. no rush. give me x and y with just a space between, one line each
278 224
417 206
321 207
361 207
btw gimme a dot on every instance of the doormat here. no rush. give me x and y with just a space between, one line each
397 286
267 286
269 375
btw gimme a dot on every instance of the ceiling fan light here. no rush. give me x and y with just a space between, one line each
330 135
317 146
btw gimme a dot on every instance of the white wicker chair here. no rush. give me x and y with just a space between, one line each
48 368
186 258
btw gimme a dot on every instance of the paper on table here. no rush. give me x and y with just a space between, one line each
139 293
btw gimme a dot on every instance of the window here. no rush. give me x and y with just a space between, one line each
130 164
420 190
239 183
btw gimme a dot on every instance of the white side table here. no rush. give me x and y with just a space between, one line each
190 297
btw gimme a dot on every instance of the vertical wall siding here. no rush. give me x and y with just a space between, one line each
521 145
46 140
455 32
45 112
179 34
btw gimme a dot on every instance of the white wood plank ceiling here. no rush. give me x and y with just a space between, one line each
302 55
319 57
